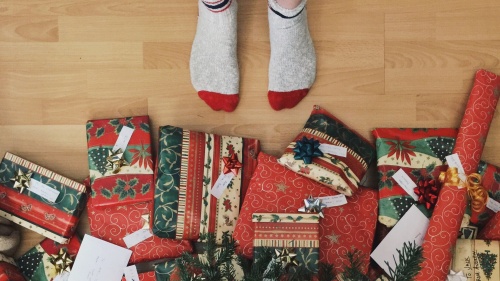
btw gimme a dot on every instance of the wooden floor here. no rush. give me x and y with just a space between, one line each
380 64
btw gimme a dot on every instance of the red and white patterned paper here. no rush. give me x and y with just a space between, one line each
448 213
274 188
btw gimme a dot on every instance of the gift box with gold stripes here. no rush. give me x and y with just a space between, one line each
40 199
200 179
297 233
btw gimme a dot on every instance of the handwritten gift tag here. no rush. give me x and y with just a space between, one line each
454 162
406 183
221 184
98 260
334 201
131 273
137 237
123 138
43 190
333 149
493 205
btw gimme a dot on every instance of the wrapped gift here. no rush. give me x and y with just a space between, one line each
329 152
276 189
477 259
418 153
296 233
9 270
450 207
114 223
199 180
166 271
48 259
39 199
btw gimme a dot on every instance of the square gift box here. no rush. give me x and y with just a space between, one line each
40 199
191 166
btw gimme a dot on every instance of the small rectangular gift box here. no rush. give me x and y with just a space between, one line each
9 270
477 259
48 259
329 152
199 180
298 233
39 199
121 201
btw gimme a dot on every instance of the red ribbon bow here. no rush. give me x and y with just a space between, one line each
231 164
427 192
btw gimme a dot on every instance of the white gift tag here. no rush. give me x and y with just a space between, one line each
137 237
131 273
221 184
406 183
123 138
333 149
493 205
43 190
454 162
334 201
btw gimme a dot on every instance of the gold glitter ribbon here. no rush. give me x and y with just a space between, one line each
473 183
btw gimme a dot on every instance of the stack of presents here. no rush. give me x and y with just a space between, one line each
433 190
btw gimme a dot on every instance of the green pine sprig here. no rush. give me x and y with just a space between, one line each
410 258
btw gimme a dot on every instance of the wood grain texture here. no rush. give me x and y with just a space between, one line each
380 64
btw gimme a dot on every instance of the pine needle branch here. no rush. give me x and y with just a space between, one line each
410 258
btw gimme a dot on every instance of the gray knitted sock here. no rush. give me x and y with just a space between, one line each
213 63
292 68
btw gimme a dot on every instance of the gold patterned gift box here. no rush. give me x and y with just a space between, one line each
479 260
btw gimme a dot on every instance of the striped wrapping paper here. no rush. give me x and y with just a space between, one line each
55 220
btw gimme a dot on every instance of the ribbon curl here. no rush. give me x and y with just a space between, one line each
306 149
473 183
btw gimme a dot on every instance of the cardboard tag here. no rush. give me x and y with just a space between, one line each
137 237
43 190
454 162
334 201
333 149
123 138
493 205
406 183
221 184
131 273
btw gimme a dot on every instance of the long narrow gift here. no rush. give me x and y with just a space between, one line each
448 213
40 199
199 180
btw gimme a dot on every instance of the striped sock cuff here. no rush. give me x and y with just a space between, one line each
286 13
218 5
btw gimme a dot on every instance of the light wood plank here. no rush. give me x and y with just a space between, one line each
20 29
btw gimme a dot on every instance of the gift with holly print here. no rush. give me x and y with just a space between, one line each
329 152
477 259
200 178
39 199
348 223
9 270
49 260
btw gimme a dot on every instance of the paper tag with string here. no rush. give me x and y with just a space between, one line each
123 138
333 201
454 162
131 273
43 190
221 184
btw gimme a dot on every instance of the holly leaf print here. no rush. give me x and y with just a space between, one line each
390 173
430 168
89 126
416 173
106 193
145 188
144 127
93 194
497 177
120 186
275 218
99 132
133 182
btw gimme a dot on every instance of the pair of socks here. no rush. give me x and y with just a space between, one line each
214 64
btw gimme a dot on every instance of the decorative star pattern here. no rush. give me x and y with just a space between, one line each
281 187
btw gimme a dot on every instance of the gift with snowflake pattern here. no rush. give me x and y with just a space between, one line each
39 264
39 199
276 189
313 153
189 167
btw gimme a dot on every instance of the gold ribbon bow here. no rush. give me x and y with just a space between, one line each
115 161
21 180
61 261
473 183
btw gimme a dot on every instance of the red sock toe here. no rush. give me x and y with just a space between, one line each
220 101
280 100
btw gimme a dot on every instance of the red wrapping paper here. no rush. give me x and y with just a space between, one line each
449 211
146 276
492 230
